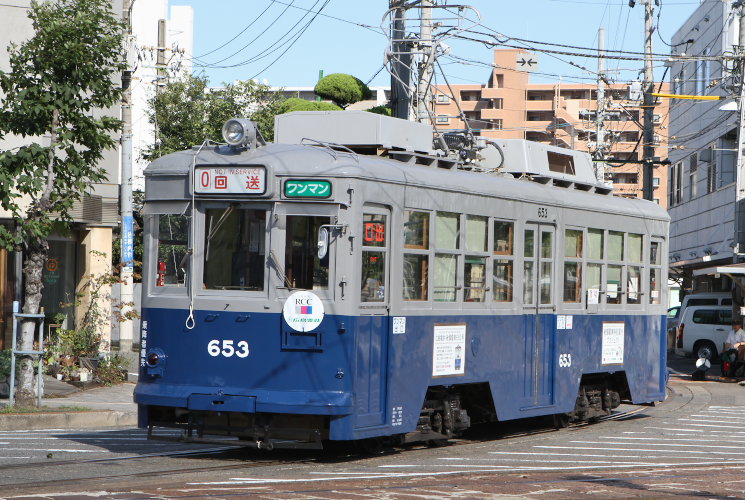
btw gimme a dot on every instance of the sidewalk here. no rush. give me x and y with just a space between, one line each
64 406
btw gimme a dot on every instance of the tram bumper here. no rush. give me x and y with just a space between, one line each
257 401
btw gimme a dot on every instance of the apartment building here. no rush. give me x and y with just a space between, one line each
707 242
562 114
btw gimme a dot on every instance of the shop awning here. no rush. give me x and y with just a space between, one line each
729 269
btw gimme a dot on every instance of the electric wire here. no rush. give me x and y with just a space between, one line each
271 2
294 41
269 26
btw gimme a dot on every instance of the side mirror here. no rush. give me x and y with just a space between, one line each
323 242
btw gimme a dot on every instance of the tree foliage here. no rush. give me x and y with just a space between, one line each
342 89
381 110
59 82
298 104
187 111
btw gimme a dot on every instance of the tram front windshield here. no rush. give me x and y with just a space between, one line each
235 250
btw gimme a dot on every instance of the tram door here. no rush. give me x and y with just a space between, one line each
371 334
539 248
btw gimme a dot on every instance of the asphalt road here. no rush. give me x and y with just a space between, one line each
690 446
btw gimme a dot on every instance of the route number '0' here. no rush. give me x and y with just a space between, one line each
213 348
565 360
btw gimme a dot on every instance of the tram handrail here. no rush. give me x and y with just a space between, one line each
330 146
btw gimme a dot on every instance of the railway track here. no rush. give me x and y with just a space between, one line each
242 459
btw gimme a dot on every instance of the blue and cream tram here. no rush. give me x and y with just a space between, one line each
359 286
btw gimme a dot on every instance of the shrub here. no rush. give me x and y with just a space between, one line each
112 370
381 110
297 104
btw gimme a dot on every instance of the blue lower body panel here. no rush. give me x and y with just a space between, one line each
364 380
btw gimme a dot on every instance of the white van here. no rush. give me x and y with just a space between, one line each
706 299
703 330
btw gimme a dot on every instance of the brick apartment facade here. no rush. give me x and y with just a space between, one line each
563 114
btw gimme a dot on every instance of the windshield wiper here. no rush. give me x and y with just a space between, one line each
278 269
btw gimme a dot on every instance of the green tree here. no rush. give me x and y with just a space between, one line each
59 81
298 104
380 110
186 112
342 89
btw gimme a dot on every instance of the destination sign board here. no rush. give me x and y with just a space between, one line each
230 180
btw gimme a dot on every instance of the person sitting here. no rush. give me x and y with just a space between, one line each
734 347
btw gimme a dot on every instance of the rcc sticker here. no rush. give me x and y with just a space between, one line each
303 311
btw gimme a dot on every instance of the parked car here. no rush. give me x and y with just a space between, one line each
706 299
703 330
673 317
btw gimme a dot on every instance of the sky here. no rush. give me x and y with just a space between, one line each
287 42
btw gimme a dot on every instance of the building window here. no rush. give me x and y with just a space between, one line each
443 99
655 181
443 119
498 103
711 185
470 95
693 176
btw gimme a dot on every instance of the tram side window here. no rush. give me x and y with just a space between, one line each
594 281
634 248
594 270
303 268
475 270
655 273
528 269
595 240
416 268
415 264
416 229
573 247
633 283
374 246
615 245
173 244
613 286
447 242
502 267
446 268
634 244
234 249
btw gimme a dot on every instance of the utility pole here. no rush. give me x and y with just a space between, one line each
648 89
160 60
125 193
426 48
600 146
739 219
400 62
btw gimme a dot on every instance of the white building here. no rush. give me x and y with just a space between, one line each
149 19
702 187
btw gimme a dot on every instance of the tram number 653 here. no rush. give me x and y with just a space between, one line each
227 350
565 360
543 212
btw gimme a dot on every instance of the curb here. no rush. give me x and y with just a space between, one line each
70 420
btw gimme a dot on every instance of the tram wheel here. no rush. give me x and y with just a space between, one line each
371 446
561 420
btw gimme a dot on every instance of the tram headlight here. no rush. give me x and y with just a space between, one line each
239 132
153 358
155 362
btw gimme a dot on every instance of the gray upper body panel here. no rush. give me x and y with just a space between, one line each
168 177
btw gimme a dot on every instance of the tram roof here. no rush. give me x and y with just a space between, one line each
301 159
